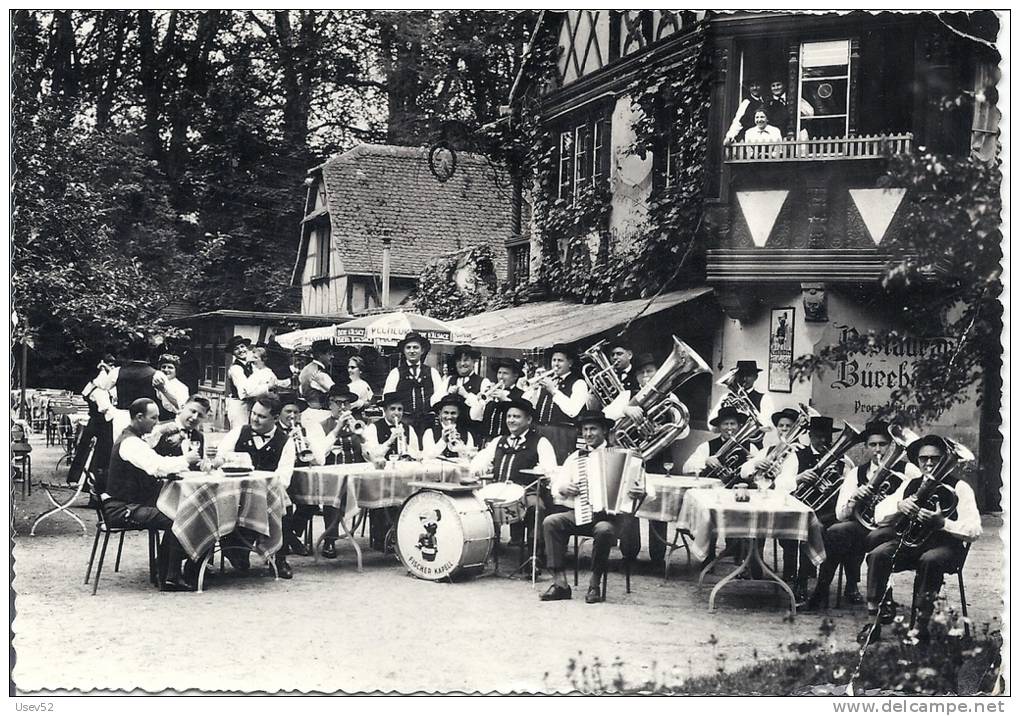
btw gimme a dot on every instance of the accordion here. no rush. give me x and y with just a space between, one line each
604 477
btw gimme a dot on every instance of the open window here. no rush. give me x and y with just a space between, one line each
823 108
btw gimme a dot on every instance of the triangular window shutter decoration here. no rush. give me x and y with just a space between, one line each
877 207
761 208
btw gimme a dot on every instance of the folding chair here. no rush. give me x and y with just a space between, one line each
83 481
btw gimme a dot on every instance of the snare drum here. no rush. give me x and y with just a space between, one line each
506 500
444 534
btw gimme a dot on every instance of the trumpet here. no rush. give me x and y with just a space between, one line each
452 437
348 422
301 446
535 381
398 430
493 390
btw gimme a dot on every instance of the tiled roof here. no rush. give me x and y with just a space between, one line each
375 188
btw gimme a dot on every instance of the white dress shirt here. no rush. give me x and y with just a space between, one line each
262 380
374 445
766 135
484 461
361 389
966 526
179 391
140 454
438 386
430 447
697 461
284 468
571 404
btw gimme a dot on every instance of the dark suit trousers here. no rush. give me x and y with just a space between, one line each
147 517
846 544
559 528
102 431
942 554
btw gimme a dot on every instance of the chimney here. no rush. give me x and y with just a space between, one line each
386 268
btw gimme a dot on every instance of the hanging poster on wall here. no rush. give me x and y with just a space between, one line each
781 350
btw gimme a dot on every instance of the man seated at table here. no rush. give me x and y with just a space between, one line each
389 438
343 443
309 449
270 449
601 526
522 448
184 433
450 439
132 487
704 460
942 553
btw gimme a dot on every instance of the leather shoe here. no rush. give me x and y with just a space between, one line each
853 597
816 601
594 596
870 633
555 593
283 569
296 546
887 612
177 584
329 550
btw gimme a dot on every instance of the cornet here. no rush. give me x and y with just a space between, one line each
452 437
301 446
349 423
535 381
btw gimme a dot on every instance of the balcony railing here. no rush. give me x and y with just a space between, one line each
823 149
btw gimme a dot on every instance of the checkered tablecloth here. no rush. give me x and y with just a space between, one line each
666 495
366 486
207 507
715 514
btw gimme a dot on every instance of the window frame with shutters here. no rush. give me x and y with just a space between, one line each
583 150
320 236
518 263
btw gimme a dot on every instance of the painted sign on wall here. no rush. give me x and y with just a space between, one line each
781 350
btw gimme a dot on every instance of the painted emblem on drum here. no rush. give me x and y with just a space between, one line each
427 542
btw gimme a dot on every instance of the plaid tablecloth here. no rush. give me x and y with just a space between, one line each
367 487
666 495
715 514
206 507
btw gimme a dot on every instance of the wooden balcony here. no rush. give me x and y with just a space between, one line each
819 150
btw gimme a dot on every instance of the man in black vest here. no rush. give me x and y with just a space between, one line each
704 460
744 376
421 384
343 443
559 398
491 410
451 438
270 449
392 439
522 448
846 539
129 495
622 355
602 527
941 553
184 433
466 384
743 119
798 569
236 385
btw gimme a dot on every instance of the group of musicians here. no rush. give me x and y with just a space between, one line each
521 426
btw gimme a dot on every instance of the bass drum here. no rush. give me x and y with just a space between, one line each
444 535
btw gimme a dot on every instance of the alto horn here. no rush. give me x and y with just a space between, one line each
600 375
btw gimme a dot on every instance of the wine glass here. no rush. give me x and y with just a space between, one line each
668 464
335 451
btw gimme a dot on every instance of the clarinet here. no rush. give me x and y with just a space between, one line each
583 514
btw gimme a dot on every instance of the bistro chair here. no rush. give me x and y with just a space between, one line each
105 530
21 459
577 550
84 481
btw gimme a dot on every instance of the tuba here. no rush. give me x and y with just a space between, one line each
600 375
818 493
931 493
665 417
885 481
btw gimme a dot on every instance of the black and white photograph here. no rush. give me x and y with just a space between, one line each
509 352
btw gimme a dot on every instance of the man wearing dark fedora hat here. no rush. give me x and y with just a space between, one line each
522 448
942 553
603 527
745 375
786 472
465 383
315 382
703 459
846 539
421 384
451 438
393 439
235 387
558 398
491 408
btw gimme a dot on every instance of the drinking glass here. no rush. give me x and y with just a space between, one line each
335 451
669 468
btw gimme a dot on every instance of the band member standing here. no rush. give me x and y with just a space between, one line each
602 527
236 385
342 444
942 553
174 393
745 376
420 383
451 438
558 399
466 383
131 488
621 355
315 382
99 426
389 437
703 460
490 410
522 448
797 566
270 449
846 539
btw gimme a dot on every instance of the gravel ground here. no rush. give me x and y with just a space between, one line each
333 629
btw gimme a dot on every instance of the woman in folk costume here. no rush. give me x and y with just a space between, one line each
420 384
